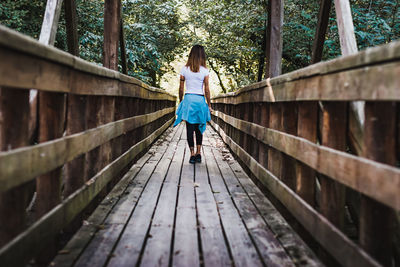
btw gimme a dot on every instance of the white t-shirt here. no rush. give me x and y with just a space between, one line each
194 80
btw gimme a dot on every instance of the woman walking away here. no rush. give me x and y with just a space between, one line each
193 109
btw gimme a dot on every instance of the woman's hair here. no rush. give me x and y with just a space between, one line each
197 58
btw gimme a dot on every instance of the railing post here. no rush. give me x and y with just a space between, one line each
289 125
306 128
333 136
264 121
14 133
51 126
376 219
274 156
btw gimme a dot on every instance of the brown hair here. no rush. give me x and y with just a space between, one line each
197 58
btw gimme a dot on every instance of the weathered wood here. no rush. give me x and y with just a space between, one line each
348 43
112 26
14 117
307 129
71 26
271 251
51 126
129 247
74 170
333 136
50 22
320 33
275 156
124 61
342 248
274 38
33 240
355 172
376 219
83 77
293 244
349 85
129 205
263 149
289 125
214 248
45 157
186 250
243 251
158 246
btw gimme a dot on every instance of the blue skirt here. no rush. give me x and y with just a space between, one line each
194 110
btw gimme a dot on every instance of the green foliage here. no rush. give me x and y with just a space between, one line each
233 32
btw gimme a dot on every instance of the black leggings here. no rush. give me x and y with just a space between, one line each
190 128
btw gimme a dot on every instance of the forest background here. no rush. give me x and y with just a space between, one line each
159 34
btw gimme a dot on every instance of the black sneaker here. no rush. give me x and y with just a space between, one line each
192 159
198 158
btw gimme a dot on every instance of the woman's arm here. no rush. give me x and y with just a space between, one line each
181 86
207 90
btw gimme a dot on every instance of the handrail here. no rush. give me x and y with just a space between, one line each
290 129
47 68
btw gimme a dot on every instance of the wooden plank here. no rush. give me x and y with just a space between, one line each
320 33
30 242
79 241
213 246
124 61
342 248
244 252
21 165
271 251
348 43
51 126
263 149
186 249
300 253
71 77
334 125
101 246
158 246
330 87
274 38
376 219
289 125
307 129
75 124
355 172
14 133
71 27
50 22
275 156
112 26
130 245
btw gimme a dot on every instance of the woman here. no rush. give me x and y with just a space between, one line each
193 109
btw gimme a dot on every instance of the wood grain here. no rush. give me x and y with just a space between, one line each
44 157
343 249
356 172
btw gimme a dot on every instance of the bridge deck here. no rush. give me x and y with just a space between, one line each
166 211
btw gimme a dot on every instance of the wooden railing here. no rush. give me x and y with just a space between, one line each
291 132
92 124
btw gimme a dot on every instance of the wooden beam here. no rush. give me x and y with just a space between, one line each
348 43
72 31
345 251
29 243
376 219
112 27
124 62
36 160
320 33
355 172
50 22
14 117
274 39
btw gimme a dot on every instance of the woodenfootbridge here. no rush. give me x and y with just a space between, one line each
294 172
